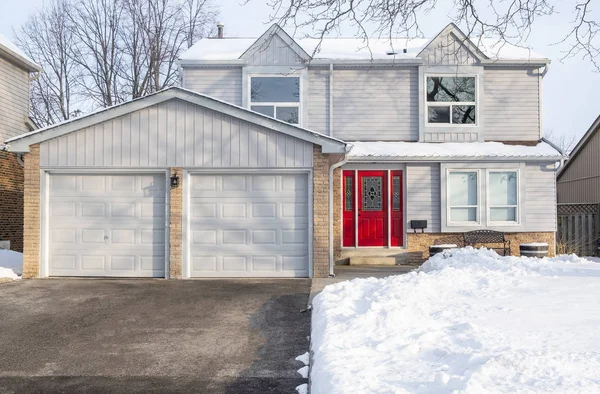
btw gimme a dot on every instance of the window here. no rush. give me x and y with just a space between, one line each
278 97
451 100
348 195
503 196
463 196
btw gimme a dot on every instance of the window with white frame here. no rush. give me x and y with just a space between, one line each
463 196
503 196
278 97
451 100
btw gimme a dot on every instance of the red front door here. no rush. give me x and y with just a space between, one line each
372 208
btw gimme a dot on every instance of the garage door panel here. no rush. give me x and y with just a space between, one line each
249 225
115 225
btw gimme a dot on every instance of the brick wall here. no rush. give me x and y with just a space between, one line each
11 200
31 212
337 213
176 227
320 213
420 242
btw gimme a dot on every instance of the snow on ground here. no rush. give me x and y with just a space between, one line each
469 321
11 264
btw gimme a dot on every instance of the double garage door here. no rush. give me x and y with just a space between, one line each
235 225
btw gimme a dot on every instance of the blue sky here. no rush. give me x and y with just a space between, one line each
570 90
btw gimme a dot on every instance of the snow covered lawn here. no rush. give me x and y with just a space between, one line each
11 264
469 321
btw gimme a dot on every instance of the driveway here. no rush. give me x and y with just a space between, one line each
152 336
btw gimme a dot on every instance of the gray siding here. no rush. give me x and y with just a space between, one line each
14 100
512 104
176 134
318 101
221 83
580 182
376 105
540 197
447 50
274 52
423 195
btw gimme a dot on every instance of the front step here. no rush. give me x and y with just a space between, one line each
377 260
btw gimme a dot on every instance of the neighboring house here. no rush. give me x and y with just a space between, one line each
578 181
15 72
273 162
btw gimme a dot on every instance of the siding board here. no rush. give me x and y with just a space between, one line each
221 83
198 136
14 100
423 195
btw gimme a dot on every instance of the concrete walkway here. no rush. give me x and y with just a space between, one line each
349 272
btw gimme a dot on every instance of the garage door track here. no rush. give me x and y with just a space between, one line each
152 336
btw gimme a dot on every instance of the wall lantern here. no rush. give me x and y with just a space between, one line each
174 180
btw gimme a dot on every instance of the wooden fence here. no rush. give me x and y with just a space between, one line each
578 229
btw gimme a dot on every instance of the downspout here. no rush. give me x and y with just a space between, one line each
331 169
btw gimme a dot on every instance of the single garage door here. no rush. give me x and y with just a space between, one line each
248 225
107 225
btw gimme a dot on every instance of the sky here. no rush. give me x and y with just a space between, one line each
571 98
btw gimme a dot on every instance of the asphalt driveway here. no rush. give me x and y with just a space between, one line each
152 336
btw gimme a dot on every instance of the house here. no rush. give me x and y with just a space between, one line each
276 160
16 69
578 181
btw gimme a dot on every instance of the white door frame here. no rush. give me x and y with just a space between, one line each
45 173
187 174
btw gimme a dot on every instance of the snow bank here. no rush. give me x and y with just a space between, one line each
469 321
11 264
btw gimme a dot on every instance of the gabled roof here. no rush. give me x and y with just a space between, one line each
264 40
452 29
15 55
594 128
22 142
233 51
365 151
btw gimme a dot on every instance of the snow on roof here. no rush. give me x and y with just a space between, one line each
16 52
352 49
366 150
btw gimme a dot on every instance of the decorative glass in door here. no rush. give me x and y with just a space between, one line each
372 193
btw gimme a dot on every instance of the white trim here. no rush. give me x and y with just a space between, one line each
450 104
189 172
489 206
45 206
449 222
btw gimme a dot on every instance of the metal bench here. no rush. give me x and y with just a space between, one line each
479 237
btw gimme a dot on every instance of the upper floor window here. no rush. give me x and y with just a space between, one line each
278 97
451 100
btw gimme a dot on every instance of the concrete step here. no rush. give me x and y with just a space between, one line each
376 260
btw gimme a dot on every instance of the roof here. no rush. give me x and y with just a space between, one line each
582 142
10 50
22 142
340 48
450 151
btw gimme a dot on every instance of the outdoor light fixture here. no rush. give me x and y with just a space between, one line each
174 180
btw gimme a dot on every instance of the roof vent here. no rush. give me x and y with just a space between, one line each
404 50
391 53
220 27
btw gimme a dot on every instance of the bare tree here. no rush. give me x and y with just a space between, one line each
47 37
565 142
511 21
99 53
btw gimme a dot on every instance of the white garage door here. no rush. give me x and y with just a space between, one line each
248 225
107 225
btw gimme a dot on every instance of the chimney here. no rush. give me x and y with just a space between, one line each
220 27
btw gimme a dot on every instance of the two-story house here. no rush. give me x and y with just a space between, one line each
16 69
276 160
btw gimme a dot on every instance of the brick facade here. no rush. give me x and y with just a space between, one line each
176 227
11 200
320 213
420 242
31 212
337 213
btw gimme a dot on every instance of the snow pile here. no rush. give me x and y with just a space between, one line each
469 321
11 264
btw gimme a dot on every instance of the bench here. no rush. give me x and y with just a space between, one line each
479 237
